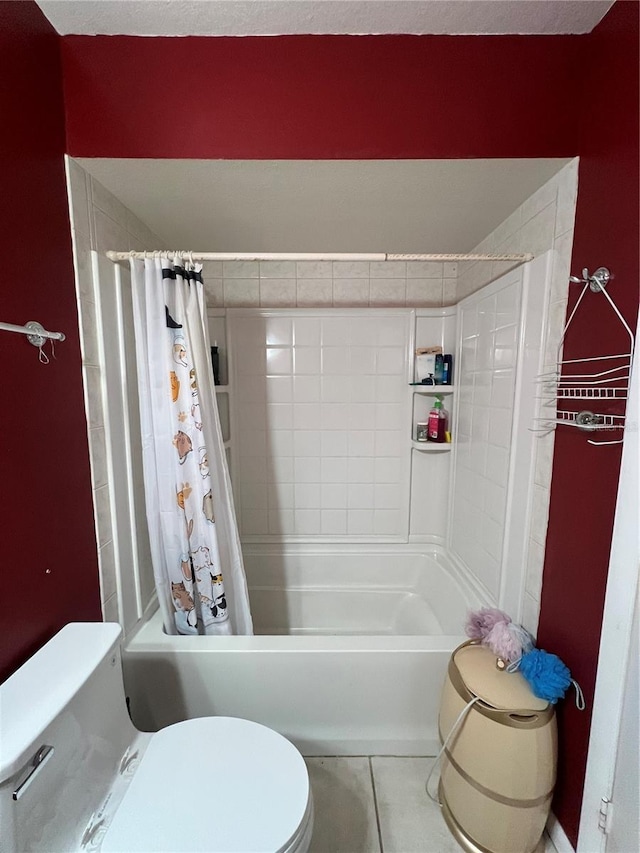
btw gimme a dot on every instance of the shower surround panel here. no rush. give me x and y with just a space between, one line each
486 378
501 344
321 409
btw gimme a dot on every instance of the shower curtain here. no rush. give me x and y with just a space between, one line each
195 548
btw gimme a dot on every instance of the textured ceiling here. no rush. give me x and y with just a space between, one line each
281 17
326 205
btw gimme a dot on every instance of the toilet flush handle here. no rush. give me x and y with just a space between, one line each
41 757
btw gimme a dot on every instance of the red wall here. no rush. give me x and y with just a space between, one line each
47 516
585 478
326 97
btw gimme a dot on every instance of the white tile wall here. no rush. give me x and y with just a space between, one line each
322 400
100 222
485 377
543 222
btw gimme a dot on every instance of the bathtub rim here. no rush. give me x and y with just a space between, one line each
149 636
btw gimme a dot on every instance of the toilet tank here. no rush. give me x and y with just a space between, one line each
68 696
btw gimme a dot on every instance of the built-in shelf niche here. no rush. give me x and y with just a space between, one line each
423 398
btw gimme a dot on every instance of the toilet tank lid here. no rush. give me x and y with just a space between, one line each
35 694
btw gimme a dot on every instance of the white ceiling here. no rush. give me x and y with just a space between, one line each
281 17
327 205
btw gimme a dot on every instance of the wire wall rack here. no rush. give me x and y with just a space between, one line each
599 378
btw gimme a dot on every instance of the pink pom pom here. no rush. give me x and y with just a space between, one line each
505 640
481 622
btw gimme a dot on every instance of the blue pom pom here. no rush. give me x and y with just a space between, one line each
548 676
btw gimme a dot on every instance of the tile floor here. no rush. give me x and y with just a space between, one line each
377 804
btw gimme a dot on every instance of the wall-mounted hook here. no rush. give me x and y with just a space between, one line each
37 335
588 421
597 282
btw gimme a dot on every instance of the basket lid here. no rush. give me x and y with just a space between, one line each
508 691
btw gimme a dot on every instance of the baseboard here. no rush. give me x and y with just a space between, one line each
558 835
423 748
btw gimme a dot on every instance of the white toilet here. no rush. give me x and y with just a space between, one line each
76 775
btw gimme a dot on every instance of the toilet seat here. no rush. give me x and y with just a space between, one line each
215 785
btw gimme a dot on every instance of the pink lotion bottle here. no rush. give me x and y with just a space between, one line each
438 421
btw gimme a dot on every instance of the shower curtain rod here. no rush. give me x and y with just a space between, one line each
317 256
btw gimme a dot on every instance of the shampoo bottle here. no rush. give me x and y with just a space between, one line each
215 363
438 421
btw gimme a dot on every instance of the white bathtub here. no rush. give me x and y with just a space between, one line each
350 652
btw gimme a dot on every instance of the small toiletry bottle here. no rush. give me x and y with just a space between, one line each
425 368
438 375
438 421
215 363
447 372
422 431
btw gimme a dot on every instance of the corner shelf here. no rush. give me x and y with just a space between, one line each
428 391
431 446
432 389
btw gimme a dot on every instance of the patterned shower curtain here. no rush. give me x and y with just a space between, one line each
197 561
